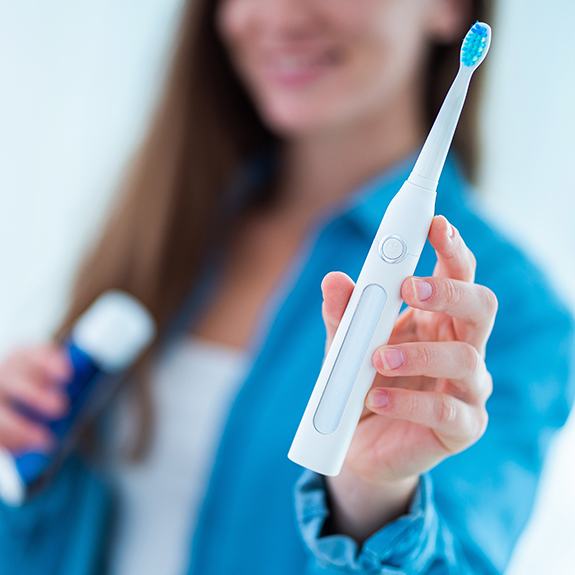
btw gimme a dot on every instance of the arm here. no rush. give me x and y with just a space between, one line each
419 541
468 510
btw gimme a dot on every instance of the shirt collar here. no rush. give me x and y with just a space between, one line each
365 206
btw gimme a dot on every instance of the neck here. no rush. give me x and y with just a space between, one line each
320 169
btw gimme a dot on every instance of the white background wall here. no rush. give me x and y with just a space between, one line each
77 79
529 187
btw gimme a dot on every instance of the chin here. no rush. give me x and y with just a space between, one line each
292 121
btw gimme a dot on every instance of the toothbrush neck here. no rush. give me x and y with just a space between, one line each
422 182
431 160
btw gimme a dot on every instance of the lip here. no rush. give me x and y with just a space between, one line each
291 69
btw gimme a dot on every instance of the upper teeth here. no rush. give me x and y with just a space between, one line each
293 64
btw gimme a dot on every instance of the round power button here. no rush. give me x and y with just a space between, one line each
392 249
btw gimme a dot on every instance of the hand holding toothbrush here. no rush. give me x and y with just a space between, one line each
428 398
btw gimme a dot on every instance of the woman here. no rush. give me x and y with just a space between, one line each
285 128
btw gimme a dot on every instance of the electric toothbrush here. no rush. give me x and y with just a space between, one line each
337 400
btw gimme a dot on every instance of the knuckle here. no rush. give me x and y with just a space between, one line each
451 293
445 411
424 356
488 385
412 405
471 358
482 423
472 260
490 300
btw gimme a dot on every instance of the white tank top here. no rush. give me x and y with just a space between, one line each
193 386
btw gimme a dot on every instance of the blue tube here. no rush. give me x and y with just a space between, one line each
105 341
86 374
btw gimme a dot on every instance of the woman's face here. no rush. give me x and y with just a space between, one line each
312 65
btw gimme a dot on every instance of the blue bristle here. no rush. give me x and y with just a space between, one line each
479 29
474 44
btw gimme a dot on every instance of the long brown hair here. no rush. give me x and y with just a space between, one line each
204 128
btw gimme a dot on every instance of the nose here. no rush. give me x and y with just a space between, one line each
288 19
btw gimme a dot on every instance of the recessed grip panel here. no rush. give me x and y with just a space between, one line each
349 359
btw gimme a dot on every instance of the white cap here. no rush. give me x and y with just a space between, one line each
114 331
12 489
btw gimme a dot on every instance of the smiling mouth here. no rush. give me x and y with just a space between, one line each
298 70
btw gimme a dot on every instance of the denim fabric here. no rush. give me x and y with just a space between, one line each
262 514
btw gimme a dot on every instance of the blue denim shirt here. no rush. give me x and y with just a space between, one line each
264 515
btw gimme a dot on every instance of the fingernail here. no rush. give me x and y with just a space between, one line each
378 398
391 358
422 288
450 230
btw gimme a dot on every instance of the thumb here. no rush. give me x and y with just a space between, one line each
336 288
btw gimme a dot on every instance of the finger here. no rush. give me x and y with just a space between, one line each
405 328
458 423
472 303
454 259
18 433
49 362
457 361
45 400
337 288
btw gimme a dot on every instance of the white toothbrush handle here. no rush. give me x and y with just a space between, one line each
336 403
